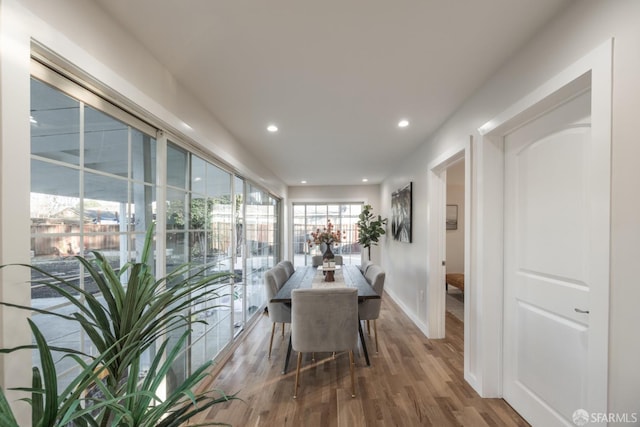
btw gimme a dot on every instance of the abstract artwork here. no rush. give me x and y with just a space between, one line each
401 214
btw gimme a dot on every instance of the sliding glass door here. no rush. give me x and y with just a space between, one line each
93 188
200 231
262 243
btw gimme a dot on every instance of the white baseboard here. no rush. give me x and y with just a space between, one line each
421 325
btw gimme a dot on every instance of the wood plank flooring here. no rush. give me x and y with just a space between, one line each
412 381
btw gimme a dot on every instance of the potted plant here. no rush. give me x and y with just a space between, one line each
370 229
132 312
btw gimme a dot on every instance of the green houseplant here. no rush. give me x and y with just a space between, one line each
370 229
133 312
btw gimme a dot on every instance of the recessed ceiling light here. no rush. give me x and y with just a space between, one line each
303 182
365 180
272 128
403 123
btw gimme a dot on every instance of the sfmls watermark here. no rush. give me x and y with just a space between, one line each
582 417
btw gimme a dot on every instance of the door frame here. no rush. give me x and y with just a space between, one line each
594 70
436 212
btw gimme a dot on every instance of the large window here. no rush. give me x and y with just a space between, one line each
200 230
307 217
262 242
94 186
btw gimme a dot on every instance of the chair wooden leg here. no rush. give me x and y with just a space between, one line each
273 330
283 330
375 331
295 390
368 328
353 378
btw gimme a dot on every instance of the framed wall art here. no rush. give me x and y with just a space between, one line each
401 204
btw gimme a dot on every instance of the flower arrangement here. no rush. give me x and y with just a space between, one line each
327 236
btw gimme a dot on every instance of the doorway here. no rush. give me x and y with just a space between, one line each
457 164
455 240
548 273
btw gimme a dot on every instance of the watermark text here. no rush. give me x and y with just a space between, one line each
582 417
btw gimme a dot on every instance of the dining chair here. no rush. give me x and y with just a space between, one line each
324 320
288 266
370 309
365 266
316 260
278 312
371 272
281 275
338 259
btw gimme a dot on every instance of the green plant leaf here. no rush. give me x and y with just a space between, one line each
6 414
49 377
369 228
122 322
37 402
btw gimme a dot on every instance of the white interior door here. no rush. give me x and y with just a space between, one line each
556 254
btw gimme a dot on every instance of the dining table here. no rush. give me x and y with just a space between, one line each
314 278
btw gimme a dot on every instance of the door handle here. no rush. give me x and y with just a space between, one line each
577 310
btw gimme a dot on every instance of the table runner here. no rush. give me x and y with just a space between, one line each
319 283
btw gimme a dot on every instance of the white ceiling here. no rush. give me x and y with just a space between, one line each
336 76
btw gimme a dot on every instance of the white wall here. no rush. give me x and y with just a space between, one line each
578 30
336 193
14 203
368 194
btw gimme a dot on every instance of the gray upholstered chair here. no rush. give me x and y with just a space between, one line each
365 266
371 272
338 259
370 309
278 312
288 266
281 275
324 320
316 260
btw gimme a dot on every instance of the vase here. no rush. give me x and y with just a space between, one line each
327 253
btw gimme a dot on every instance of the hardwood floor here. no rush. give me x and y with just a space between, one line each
412 381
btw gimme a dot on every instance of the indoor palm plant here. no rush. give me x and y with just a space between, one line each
136 311
370 229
